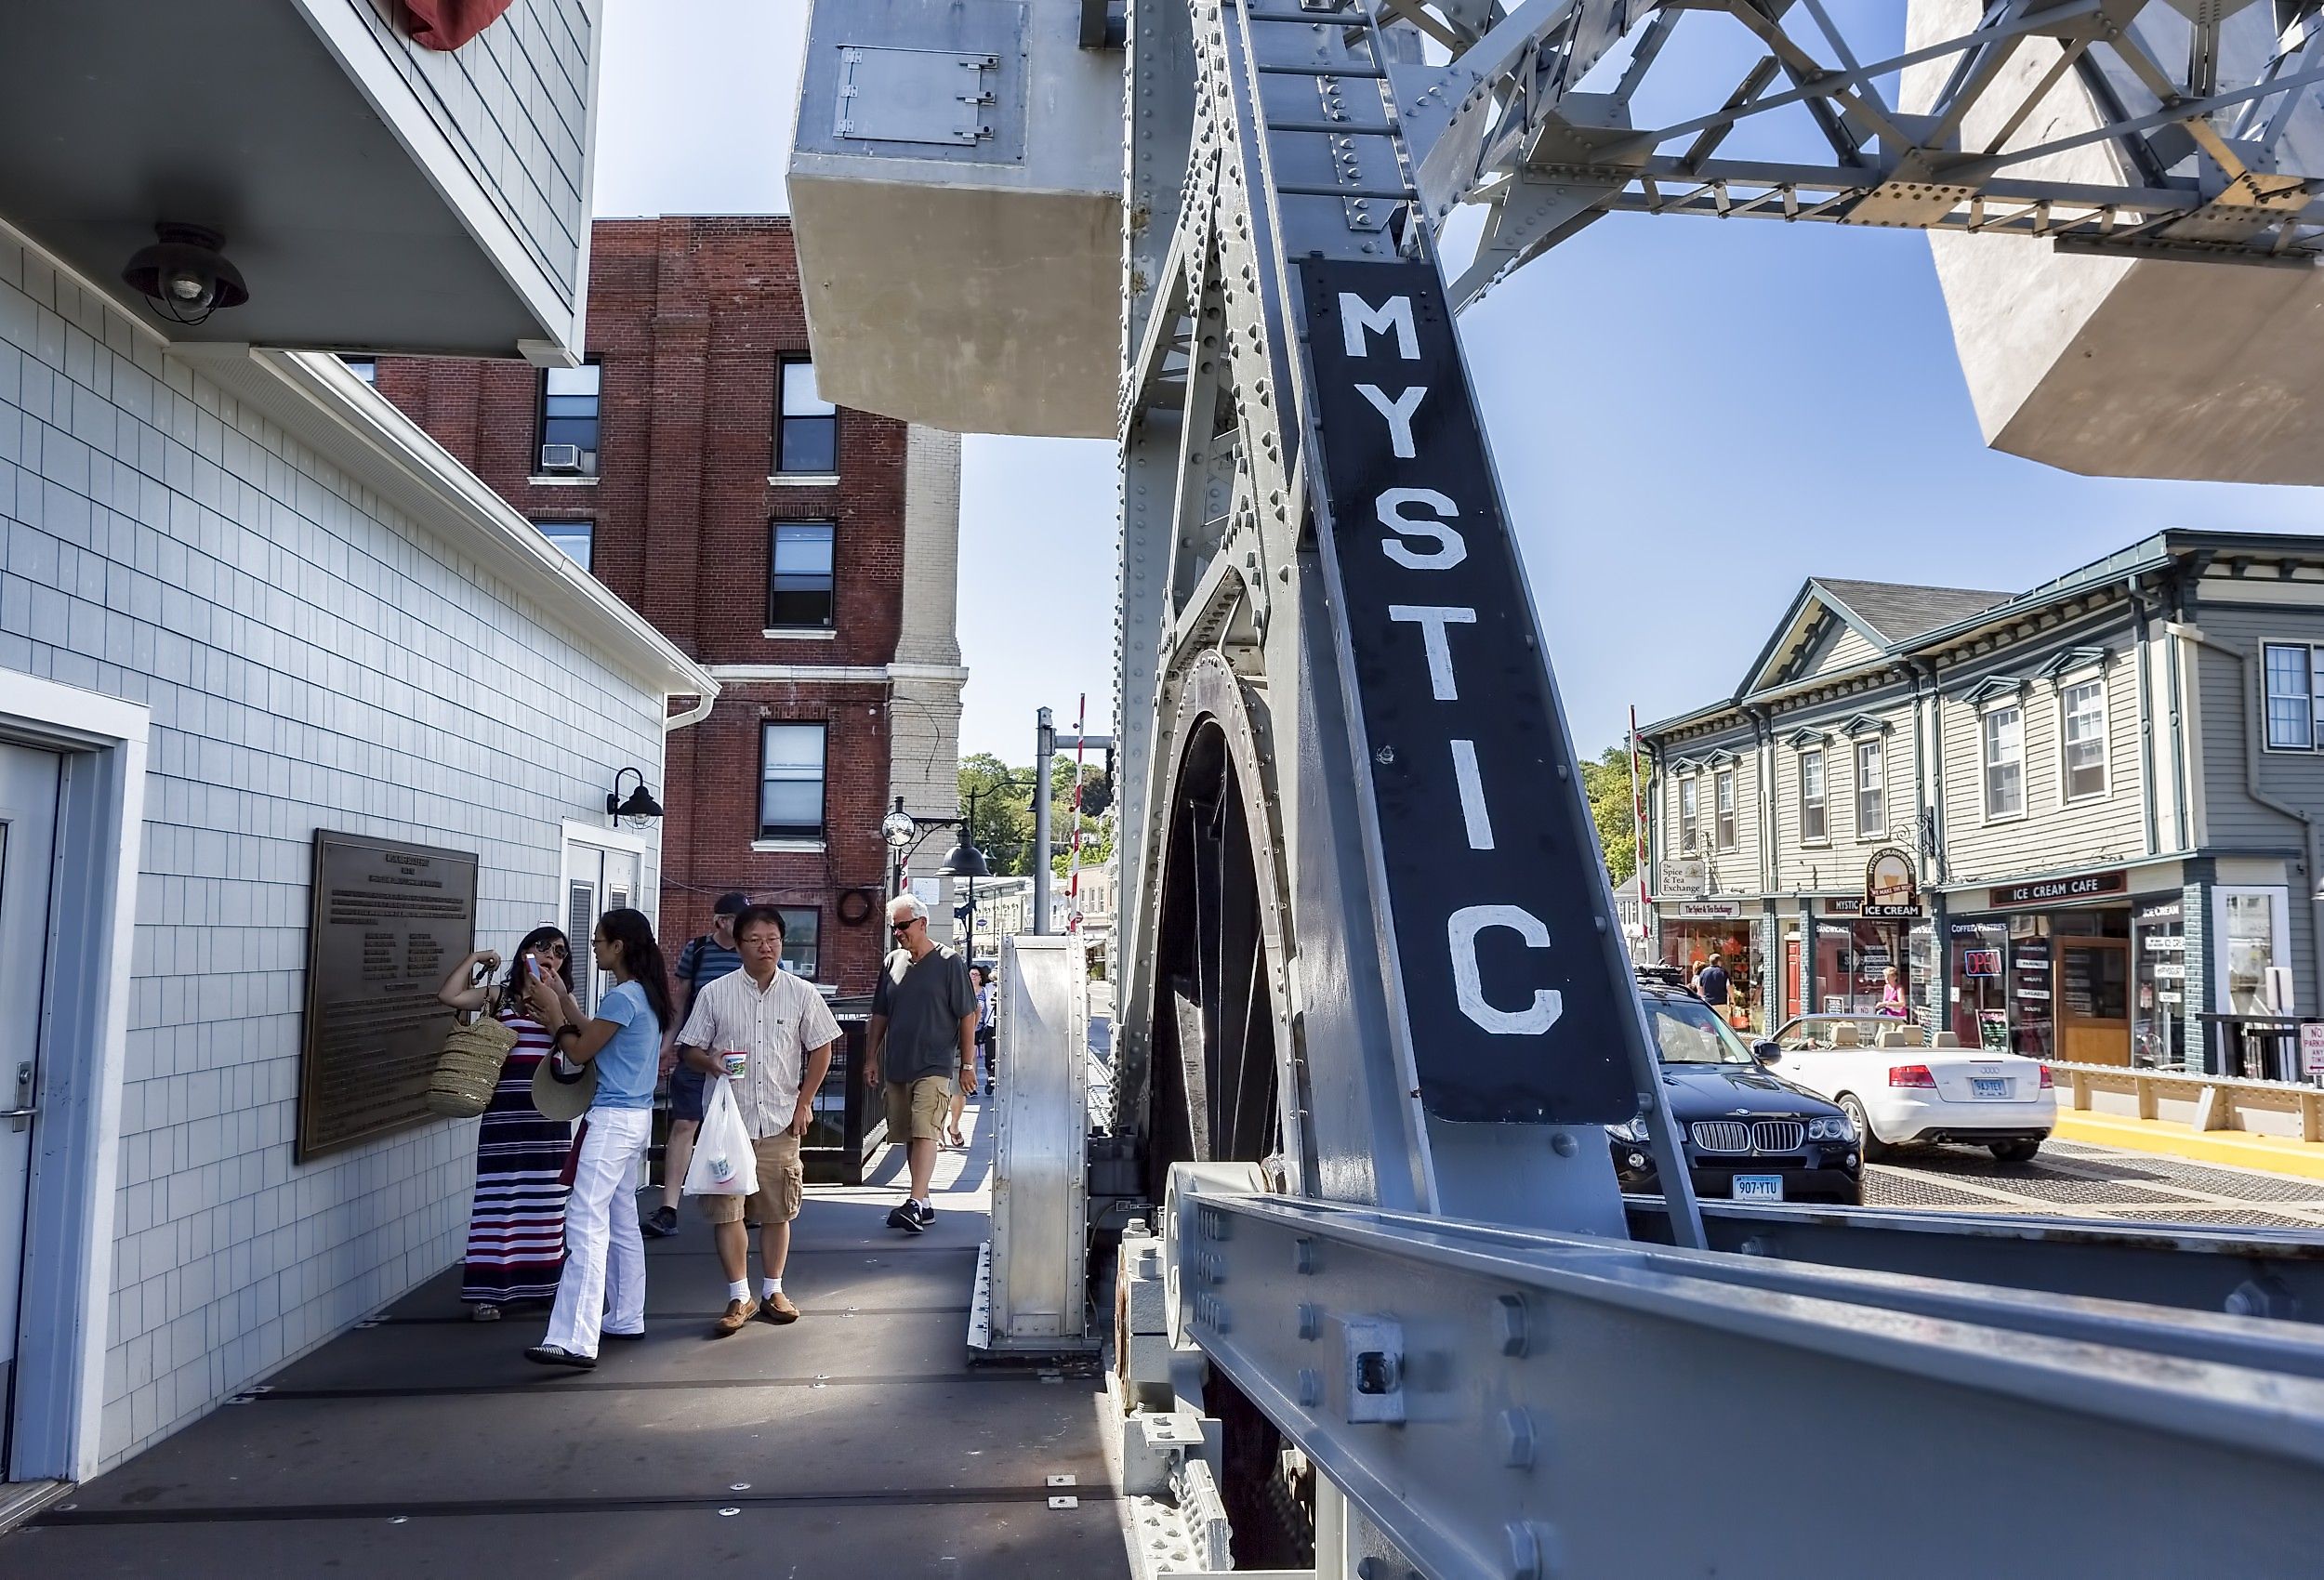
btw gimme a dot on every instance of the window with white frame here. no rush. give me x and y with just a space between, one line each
790 782
2295 697
806 426
1871 792
2083 739
2003 730
1722 807
1812 795
1689 805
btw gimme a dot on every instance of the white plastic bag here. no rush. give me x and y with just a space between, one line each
724 1163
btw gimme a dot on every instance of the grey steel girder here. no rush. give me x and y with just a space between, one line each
1532 117
1232 573
1508 1402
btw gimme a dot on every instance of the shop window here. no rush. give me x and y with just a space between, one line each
802 926
1722 803
799 585
790 782
2295 697
365 368
2083 739
2250 945
1871 792
569 412
807 425
574 538
2004 734
1812 797
1688 807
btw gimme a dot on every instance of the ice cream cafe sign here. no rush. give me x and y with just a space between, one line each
1890 889
1504 947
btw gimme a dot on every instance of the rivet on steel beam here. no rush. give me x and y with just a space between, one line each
1303 1254
1509 1324
1562 1144
1517 1443
1311 1386
1311 1319
1532 1550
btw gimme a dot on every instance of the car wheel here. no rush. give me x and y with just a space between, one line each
1869 1146
2013 1151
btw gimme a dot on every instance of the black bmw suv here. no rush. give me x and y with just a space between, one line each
1750 1135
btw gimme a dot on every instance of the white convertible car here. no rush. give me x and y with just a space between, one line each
1899 1088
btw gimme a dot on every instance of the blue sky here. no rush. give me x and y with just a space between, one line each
1689 417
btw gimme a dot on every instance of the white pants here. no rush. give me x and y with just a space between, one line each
603 1285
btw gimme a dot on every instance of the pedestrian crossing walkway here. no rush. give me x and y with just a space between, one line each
858 1440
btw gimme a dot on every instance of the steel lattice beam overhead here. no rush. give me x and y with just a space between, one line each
2209 126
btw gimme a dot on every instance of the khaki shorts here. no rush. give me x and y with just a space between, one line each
918 1110
782 1183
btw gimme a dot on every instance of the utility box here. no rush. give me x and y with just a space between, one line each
1033 1298
955 187
2122 366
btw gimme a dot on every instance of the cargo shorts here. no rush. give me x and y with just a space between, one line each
918 1110
782 1185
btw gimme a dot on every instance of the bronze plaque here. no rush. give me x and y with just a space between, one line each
388 920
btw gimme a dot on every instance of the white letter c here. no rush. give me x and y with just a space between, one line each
1462 930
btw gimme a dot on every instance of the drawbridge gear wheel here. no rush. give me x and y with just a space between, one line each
1213 1093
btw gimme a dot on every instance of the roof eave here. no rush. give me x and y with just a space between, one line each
321 401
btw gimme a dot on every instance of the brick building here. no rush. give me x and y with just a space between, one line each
804 555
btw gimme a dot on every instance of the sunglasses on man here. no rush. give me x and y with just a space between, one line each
907 925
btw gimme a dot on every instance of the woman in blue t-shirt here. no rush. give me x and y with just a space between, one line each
602 1289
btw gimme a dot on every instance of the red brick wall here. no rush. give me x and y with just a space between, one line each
689 317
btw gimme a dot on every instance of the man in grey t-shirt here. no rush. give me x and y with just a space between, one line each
923 1030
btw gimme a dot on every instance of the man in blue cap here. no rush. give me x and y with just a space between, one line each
702 962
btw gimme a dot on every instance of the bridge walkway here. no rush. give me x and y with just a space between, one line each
856 1442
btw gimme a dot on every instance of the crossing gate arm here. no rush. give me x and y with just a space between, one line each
1515 1403
2244 1272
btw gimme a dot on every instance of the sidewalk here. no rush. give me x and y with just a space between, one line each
2238 1148
857 1441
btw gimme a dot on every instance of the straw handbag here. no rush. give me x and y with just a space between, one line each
469 1066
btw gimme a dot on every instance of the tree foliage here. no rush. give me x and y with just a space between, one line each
1003 828
1607 782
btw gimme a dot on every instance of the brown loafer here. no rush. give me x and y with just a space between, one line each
777 1309
738 1313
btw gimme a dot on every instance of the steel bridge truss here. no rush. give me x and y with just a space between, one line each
2186 131
1368 952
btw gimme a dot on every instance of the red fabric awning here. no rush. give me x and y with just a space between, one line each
447 24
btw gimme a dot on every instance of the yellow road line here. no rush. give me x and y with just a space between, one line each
2271 1154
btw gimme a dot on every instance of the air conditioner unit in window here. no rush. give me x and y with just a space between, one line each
560 457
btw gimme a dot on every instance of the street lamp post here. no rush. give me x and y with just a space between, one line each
904 833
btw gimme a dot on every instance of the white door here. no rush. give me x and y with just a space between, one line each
27 838
598 878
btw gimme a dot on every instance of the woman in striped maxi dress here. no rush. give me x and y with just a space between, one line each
516 1235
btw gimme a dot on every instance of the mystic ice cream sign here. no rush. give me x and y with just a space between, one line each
1516 993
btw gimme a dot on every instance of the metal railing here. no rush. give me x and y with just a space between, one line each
2256 1048
2293 1110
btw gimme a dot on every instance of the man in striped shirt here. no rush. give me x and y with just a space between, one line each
703 961
786 1035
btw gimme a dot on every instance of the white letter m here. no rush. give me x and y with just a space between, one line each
1356 315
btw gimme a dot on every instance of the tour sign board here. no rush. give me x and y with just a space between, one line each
388 919
1515 994
1890 889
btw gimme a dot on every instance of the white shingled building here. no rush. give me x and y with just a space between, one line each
244 601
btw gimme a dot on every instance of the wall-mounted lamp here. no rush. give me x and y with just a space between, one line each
639 809
184 276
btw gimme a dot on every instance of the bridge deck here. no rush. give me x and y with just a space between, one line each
856 1442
